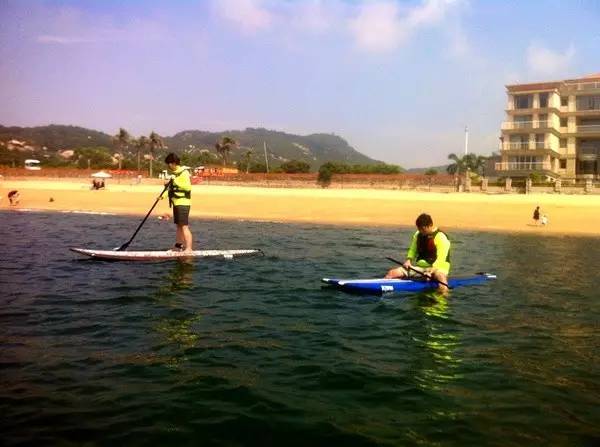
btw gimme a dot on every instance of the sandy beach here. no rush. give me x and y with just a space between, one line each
567 214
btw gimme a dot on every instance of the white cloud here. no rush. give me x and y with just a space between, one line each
542 61
249 15
459 45
63 40
378 27
375 25
314 15
382 26
430 12
69 26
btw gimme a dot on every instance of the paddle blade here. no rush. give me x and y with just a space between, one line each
122 247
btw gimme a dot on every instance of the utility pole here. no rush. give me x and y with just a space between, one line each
466 140
266 159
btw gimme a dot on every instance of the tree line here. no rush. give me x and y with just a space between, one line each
144 152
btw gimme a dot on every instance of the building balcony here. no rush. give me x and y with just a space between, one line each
587 157
515 146
530 148
533 166
529 111
584 87
513 125
582 112
588 130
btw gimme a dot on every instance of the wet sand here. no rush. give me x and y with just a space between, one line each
567 214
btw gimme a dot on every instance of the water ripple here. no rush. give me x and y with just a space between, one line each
255 352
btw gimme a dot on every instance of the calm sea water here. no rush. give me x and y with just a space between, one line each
254 352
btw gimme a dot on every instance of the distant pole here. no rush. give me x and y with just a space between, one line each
266 159
466 140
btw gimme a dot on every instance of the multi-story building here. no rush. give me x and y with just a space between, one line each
552 129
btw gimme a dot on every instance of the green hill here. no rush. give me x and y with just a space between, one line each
314 149
56 137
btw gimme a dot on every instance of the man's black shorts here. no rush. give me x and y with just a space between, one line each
181 214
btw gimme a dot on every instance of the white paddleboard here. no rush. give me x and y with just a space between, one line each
113 255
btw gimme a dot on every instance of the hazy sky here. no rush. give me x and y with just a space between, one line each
398 79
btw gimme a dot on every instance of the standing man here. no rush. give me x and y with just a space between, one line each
429 253
180 198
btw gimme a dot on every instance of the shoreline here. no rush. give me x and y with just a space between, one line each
568 214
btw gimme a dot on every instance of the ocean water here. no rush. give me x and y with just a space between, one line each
254 351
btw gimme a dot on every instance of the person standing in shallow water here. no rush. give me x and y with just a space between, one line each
429 251
180 199
536 215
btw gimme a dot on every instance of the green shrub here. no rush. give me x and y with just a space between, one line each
295 167
324 177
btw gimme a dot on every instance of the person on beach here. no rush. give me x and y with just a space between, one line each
97 184
536 215
429 253
14 197
180 199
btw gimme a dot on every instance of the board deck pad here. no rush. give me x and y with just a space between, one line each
381 285
165 255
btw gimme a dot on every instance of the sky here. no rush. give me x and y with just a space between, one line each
398 79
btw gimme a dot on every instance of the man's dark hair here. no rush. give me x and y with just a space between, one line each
424 220
172 158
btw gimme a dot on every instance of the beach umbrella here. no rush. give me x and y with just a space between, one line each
101 174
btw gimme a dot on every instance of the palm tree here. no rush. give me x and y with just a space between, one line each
459 166
122 141
478 163
464 165
156 143
224 147
247 156
141 144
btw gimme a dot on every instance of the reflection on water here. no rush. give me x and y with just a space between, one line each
439 345
178 277
254 352
178 327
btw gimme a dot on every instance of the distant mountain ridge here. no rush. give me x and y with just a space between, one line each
314 149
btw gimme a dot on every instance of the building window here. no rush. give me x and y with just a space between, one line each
522 121
563 164
588 102
564 101
564 122
519 142
563 143
543 120
523 101
590 146
543 100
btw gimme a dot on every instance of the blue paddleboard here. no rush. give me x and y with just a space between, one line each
380 285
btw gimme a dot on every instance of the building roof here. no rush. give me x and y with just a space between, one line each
591 77
550 85
534 86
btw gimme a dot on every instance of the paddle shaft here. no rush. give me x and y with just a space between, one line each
126 244
419 272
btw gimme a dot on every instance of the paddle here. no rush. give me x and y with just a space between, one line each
126 244
419 272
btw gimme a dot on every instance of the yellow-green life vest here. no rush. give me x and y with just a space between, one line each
180 189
